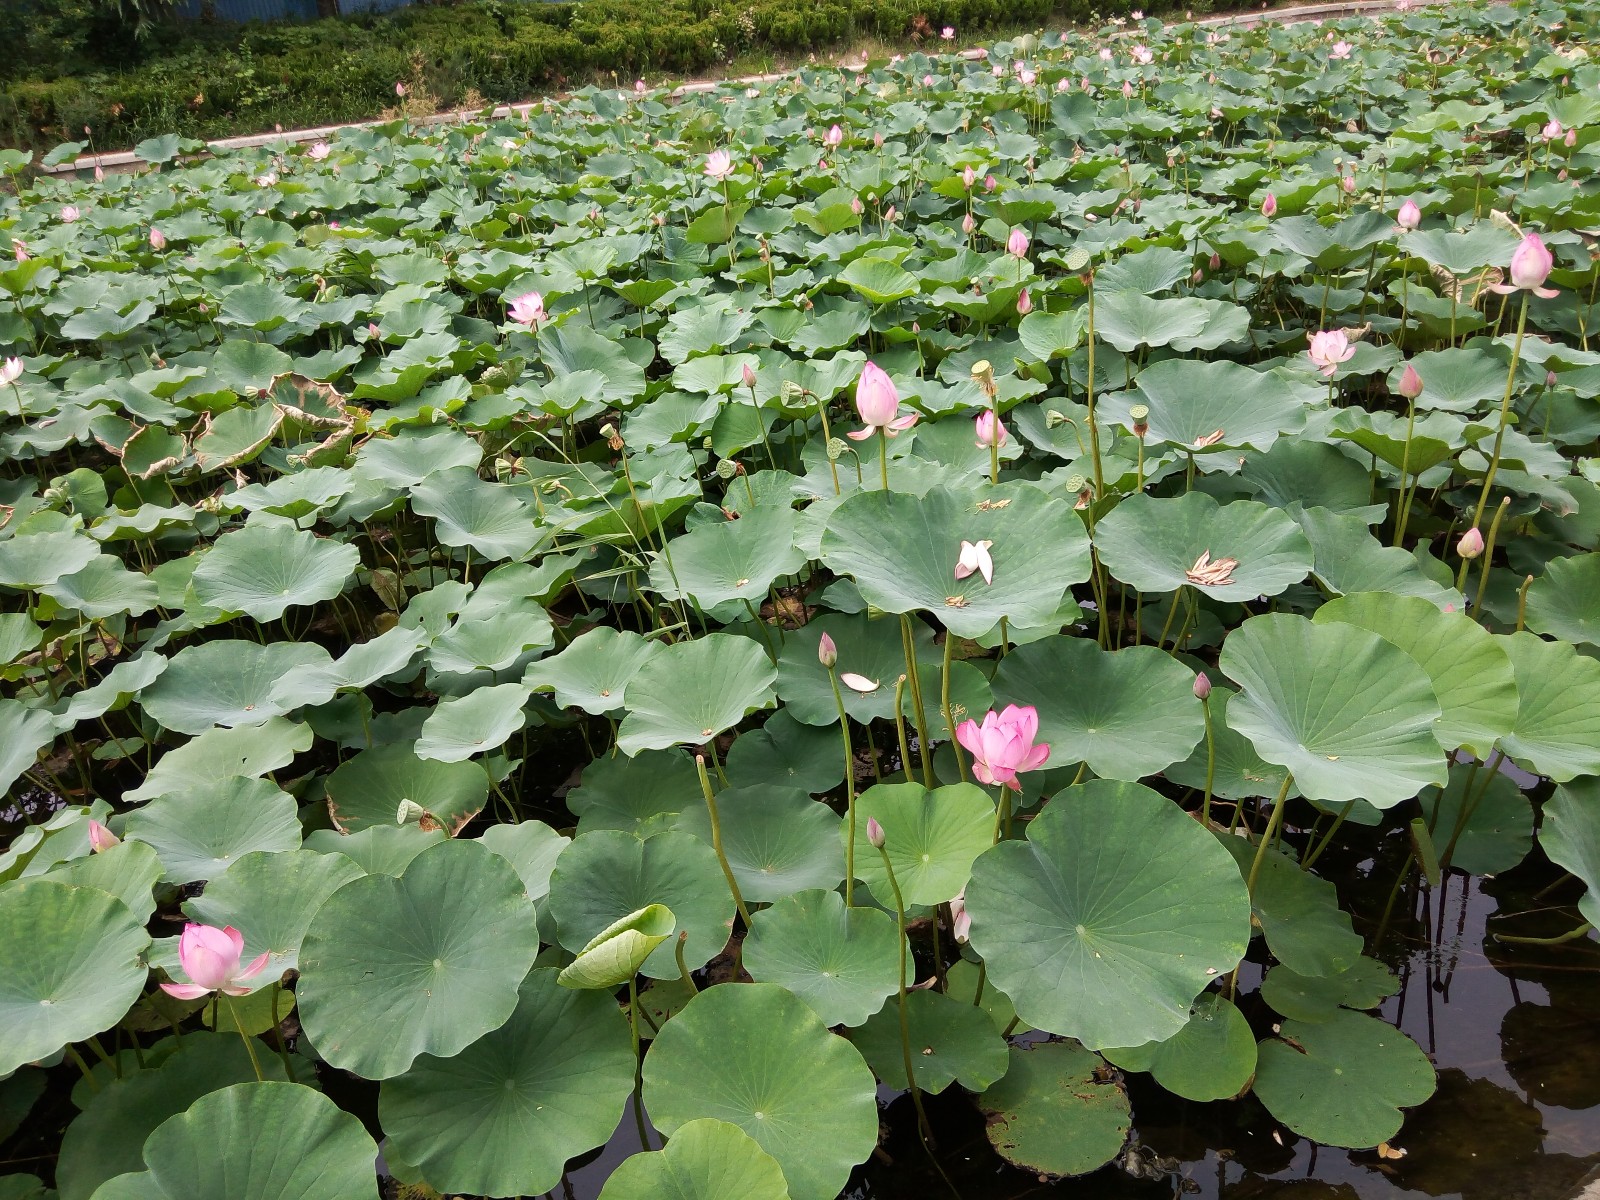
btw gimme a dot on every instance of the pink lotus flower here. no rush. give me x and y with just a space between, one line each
1027 77
833 137
1552 130
1024 303
948 33
1269 206
400 89
1329 348
158 240
968 224
1063 86
319 151
1410 215
1471 543
827 652
19 249
1127 89
719 164
927 81
528 309
990 183
1340 49
638 87
875 833
1105 54
974 558
1531 264
960 918
855 205
69 214
1017 243
1571 139
10 371
210 957
1410 385
968 178
1004 744
1348 183
878 405
1143 55
990 432
1202 687
101 838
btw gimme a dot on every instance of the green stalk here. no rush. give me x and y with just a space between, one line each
716 839
944 701
1274 823
1211 764
277 1028
883 456
908 646
677 950
849 792
1488 553
1505 408
905 1020
900 725
1094 429
249 1042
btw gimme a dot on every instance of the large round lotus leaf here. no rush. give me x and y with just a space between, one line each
488 644
1151 543
226 682
369 788
270 899
902 551
221 754
24 731
931 838
1570 836
1211 1058
626 793
69 967
129 872
785 753
263 570
35 559
694 690
840 961
1350 559
1239 771
1052 1114
409 457
802 1093
1493 835
1128 713
490 518
871 648
104 588
1350 714
108 1138
1298 912
778 840
1113 915
594 670
200 833
704 1160
614 955
1191 401
731 560
476 723
1319 997
950 1042
502 1117
1558 708
1470 670
531 847
608 874
423 964
233 1143
379 850
1564 602
1342 1082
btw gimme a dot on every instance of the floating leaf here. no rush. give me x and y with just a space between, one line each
932 838
840 961
200 833
226 682
704 1160
1213 1057
778 840
1052 1115
950 1042
694 690
1558 708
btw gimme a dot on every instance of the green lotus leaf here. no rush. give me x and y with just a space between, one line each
840 961
593 671
103 589
607 875
1213 1057
1129 713
1491 833
1152 543
202 832
1558 708
1128 320
216 1147
222 754
116 688
694 690
615 955
1192 401
1239 772
1458 379
1350 714
1350 559
270 898
369 788
24 731
226 682
639 794
1342 1082
491 644
704 1160
108 1138
34 559
412 455
476 723
264 570
391 969
378 849
503 1116
1469 670
869 647
1564 602
70 966
1298 912
902 551
1112 916
879 280
777 839
1319 997
1052 1114
932 838
950 1042
531 847
784 753
490 518
729 561
804 1095
129 872
1570 836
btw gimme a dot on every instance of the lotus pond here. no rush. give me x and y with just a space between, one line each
946 629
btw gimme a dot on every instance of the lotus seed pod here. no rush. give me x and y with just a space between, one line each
727 469
836 449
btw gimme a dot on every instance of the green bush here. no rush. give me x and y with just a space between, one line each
206 80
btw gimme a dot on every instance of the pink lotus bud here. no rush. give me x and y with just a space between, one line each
968 224
1553 130
1198 276
1571 139
1202 686
891 214
101 838
1024 303
1216 261
877 141
1017 243
1531 264
990 432
372 331
1410 385
747 375
968 177
827 652
960 919
875 833
19 249
833 137
877 402
1269 206
927 81
1471 543
1127 89
400 89
1062 85
1550 379
1348 183
158 240
990 183
638 87
1410 215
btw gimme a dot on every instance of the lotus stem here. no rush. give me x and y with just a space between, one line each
1505 408
83 1067
249 1042
905 1020
1559 939
827 439
1211 764
900 725
1522 602
849 792
1094 428
883 457
920 715
638 1061
716 839
772 460
277 1030
1488 554
1274 823
1002 814
1171 612
1403 502
944 701
677 951
1469 804
1316 853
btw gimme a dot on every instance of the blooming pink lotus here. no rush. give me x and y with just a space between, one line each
1531 264
990 430
210 957
878 404
719 164
1105 54
974 558
19 249
1329 348
10 371
1552 130
1004 744
528 309
1340 49
320 151
101 838
948 33
1143 55
69 214
1410 215
1027 77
